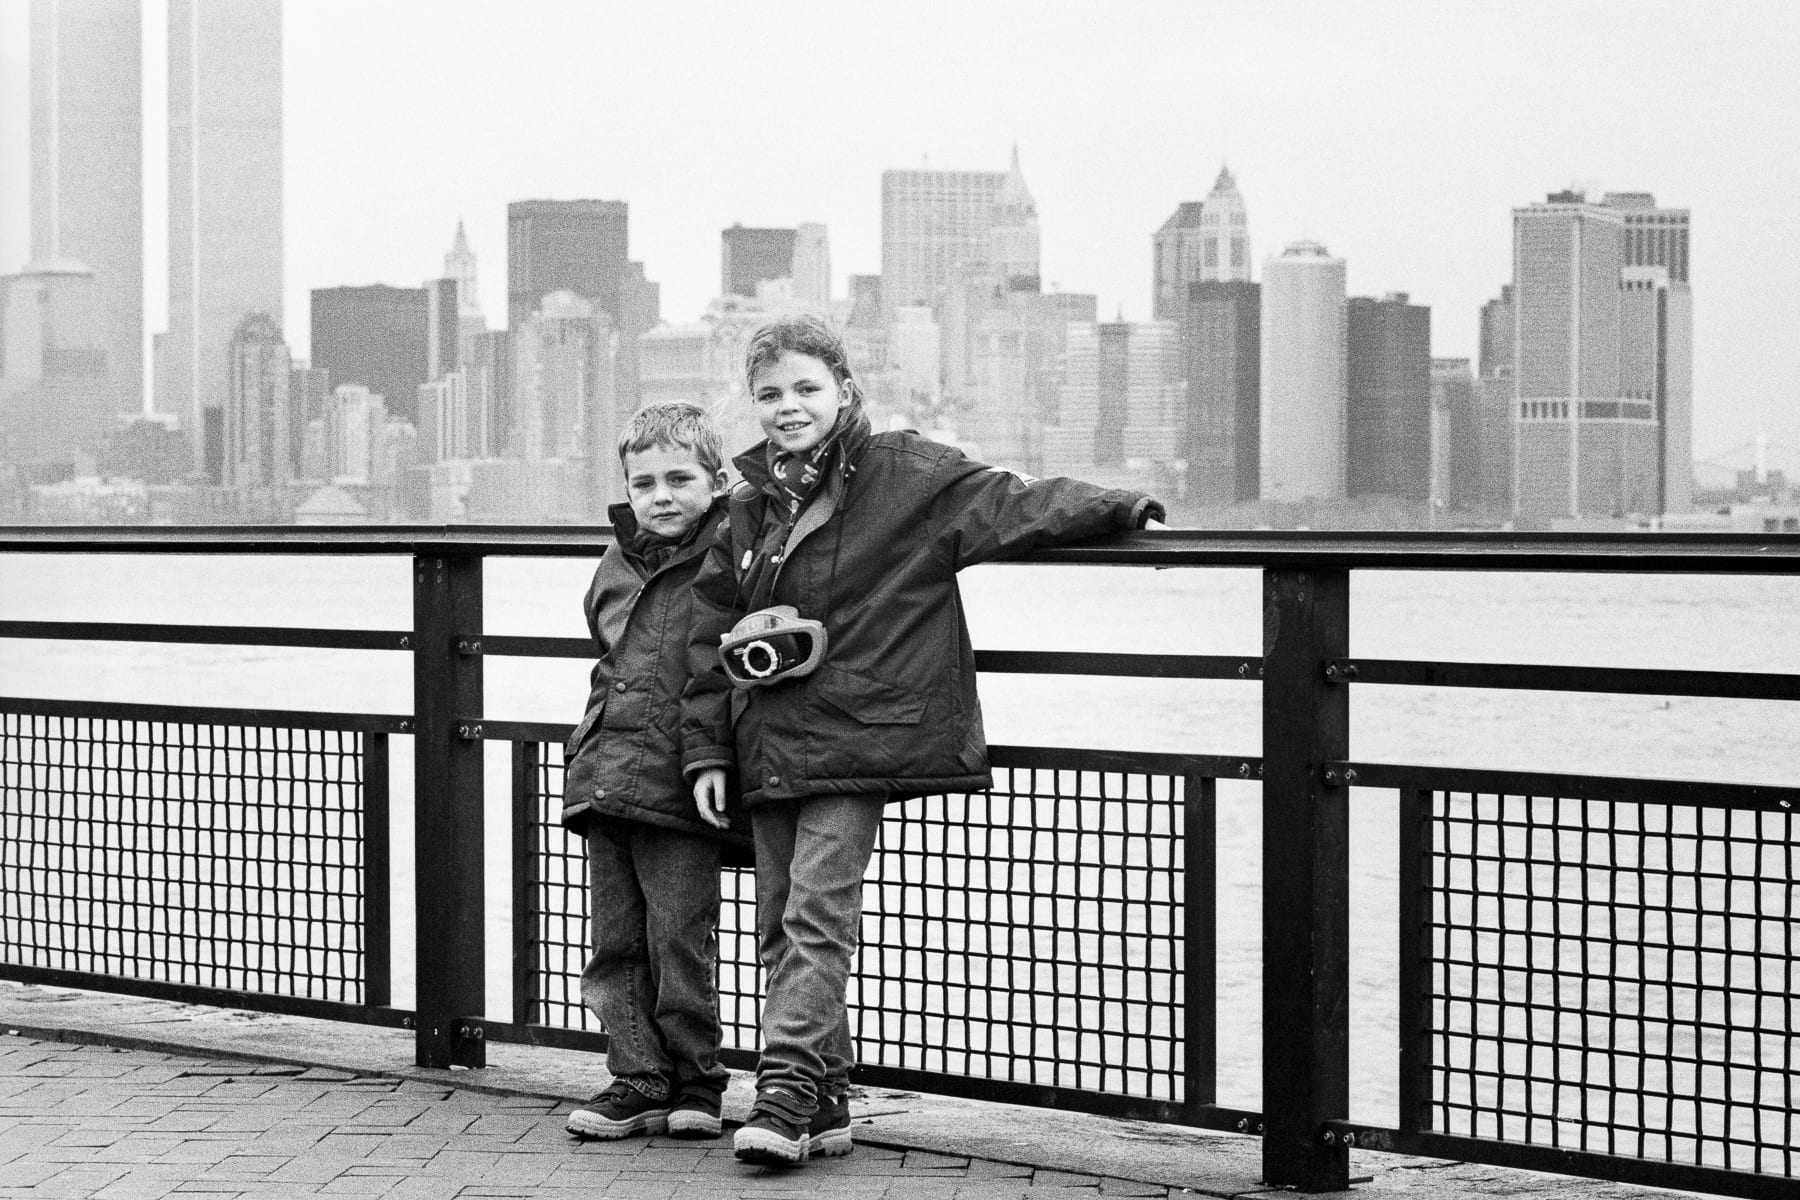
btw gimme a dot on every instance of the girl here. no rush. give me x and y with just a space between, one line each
860 692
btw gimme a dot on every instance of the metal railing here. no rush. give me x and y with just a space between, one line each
1597 975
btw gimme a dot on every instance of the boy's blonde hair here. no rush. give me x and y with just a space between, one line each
799 333
674 425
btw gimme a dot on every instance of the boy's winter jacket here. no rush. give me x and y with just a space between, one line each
892 710
624 759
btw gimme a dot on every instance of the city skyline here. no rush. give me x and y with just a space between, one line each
1413 200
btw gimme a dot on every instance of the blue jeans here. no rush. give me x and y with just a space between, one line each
811 855
653 977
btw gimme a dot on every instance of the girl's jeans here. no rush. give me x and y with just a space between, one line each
653 980
811 855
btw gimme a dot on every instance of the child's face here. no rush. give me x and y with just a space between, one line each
669 488
797 401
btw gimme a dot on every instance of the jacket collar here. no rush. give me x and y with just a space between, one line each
625 527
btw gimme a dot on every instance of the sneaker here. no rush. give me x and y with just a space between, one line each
829 1134
771 1136
694 1117
619 1111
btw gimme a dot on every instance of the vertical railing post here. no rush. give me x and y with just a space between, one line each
1306 868
525 874
447 840
377 868
1200 942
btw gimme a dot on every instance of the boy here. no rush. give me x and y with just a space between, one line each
653 865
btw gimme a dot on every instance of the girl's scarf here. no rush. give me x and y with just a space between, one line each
797 478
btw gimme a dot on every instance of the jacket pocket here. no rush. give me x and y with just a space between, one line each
870 701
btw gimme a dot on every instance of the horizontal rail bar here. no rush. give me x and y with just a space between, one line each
108 710
1671 553
535 647
1751 796
1140 666
211 635
1048 758
192 993
1736 685
1652 1172
972 1087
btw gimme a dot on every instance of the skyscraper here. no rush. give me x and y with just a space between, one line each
932 222
374 337
812 267
87 171
53 405
1583 447
748 257
1119 398
1201 241
1387 427
1221 331
564 356
1455 445
1657 354
257 452
225 206
460 266
581 246
1303 375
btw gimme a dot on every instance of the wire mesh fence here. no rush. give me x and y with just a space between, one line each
1611 977
211 854
1032 934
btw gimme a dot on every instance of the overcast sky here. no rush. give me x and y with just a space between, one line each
1400 134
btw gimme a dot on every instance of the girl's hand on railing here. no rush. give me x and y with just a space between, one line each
1153 523
709 796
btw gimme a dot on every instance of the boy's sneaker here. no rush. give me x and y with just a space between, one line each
772 1136
829 1134
694 1117
619 1111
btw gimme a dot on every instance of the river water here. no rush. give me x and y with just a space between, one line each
1739 624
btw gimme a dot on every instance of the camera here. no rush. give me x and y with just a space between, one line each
770 645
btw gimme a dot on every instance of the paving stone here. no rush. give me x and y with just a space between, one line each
1065 1179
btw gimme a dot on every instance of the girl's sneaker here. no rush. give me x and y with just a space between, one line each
619 1111
829 1134
771 1135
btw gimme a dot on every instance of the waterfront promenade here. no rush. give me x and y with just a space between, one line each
123 1098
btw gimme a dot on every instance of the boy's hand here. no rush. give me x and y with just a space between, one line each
1153 523
709 796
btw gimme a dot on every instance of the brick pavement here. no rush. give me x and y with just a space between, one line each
135 1124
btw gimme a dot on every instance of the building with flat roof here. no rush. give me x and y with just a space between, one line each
1387 415
932 222
377 337
1221 332
1302 427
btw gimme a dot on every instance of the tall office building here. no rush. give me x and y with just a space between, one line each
460 266
375 337
1495 401
1014 244
54 408
932 222
257 449
1120 397
812 267
581 246
1387 420
564 357
748 257
87 172
1202 241
1303 401
444 339
1584 448
225 203
1455 445
1221 330
1658 350
1175 260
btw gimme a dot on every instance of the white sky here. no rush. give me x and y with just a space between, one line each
1399 133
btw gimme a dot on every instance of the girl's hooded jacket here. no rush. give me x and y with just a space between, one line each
624 758
892 710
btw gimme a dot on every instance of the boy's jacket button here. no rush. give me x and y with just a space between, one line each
774 779
619 686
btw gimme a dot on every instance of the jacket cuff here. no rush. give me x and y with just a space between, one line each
705 758
1147 509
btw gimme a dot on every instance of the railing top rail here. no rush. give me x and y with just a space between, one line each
1674 553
